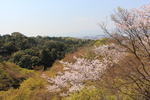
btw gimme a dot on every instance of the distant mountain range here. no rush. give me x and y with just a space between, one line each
94 37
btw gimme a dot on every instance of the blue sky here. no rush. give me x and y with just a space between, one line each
59 17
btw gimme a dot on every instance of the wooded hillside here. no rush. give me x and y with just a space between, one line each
34 52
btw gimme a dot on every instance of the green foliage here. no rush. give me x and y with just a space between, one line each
46 59
100 42
99 93
1 59
120 9
25 62
15 57
19 49
10 47
32 84
5 80
35 60
31 51
32 88
89 93
12 75
17 35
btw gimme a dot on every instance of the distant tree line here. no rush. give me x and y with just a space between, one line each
31 52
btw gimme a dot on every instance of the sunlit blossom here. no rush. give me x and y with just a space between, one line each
84 69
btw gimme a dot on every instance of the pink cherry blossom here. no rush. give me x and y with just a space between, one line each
84 69
137 18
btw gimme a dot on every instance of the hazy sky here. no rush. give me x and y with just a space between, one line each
59 17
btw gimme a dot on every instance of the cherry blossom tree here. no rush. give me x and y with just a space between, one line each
76 74
132 32
130 54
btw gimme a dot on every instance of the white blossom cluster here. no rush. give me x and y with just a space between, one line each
111 53
84 69
136 18
135 25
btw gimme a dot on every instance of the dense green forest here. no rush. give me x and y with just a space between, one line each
35 52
